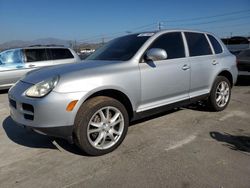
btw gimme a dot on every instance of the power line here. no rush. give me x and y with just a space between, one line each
225 26
116 33
214 21
160 24
208 17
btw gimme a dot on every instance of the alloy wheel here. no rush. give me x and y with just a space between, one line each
105 128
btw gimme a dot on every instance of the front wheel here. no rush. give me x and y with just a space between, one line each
220 94
101 125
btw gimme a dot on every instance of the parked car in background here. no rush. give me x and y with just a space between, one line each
15 63
243 59
130 77
83 54
235 52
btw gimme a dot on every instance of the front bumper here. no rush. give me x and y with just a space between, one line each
60 132
46 115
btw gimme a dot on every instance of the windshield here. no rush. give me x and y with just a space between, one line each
120 49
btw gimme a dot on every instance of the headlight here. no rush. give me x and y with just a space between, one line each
42 88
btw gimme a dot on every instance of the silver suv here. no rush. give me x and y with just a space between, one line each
131 77
15 63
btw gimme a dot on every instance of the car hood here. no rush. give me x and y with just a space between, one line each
68 70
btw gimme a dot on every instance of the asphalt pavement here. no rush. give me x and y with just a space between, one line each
187 147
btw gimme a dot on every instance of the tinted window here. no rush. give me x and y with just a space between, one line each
235 40
245 54
120 49
60 53
216 45
197 44
172 43
11 57
33 55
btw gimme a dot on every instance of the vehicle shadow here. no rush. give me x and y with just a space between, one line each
31 139
238 143
157 115
199 106
25 137
243 81
4 91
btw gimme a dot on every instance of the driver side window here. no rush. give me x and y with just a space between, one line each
172 43
11 57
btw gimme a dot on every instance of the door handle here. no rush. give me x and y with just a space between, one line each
32 65
19 66
215 62
185 67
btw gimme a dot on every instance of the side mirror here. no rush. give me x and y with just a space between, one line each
156 54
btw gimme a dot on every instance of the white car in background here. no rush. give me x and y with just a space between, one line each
15 63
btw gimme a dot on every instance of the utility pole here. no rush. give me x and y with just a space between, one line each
160 26
75 47
71 44
103 41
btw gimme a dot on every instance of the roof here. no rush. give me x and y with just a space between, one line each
37 47
172 30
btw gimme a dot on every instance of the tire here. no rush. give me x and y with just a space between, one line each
219 98
97 133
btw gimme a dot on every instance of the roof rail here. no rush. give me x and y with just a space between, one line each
36 45
47 45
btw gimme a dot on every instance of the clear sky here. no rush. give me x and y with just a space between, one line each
90 20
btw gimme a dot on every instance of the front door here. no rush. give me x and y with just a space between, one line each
12 67
166 81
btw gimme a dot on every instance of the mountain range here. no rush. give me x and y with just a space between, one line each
43 41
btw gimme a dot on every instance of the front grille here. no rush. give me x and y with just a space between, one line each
28 117
28 107
12 103
28 111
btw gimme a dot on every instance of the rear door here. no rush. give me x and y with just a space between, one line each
36 58
60 56
202 61
165 81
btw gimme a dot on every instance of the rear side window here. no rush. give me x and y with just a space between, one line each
216 45
197 44
33 55
60 53
172 43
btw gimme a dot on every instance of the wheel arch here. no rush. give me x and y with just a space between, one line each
228 75
116 94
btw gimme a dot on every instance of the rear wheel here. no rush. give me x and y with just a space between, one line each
220 94
101 125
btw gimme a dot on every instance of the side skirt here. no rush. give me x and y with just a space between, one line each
154 111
